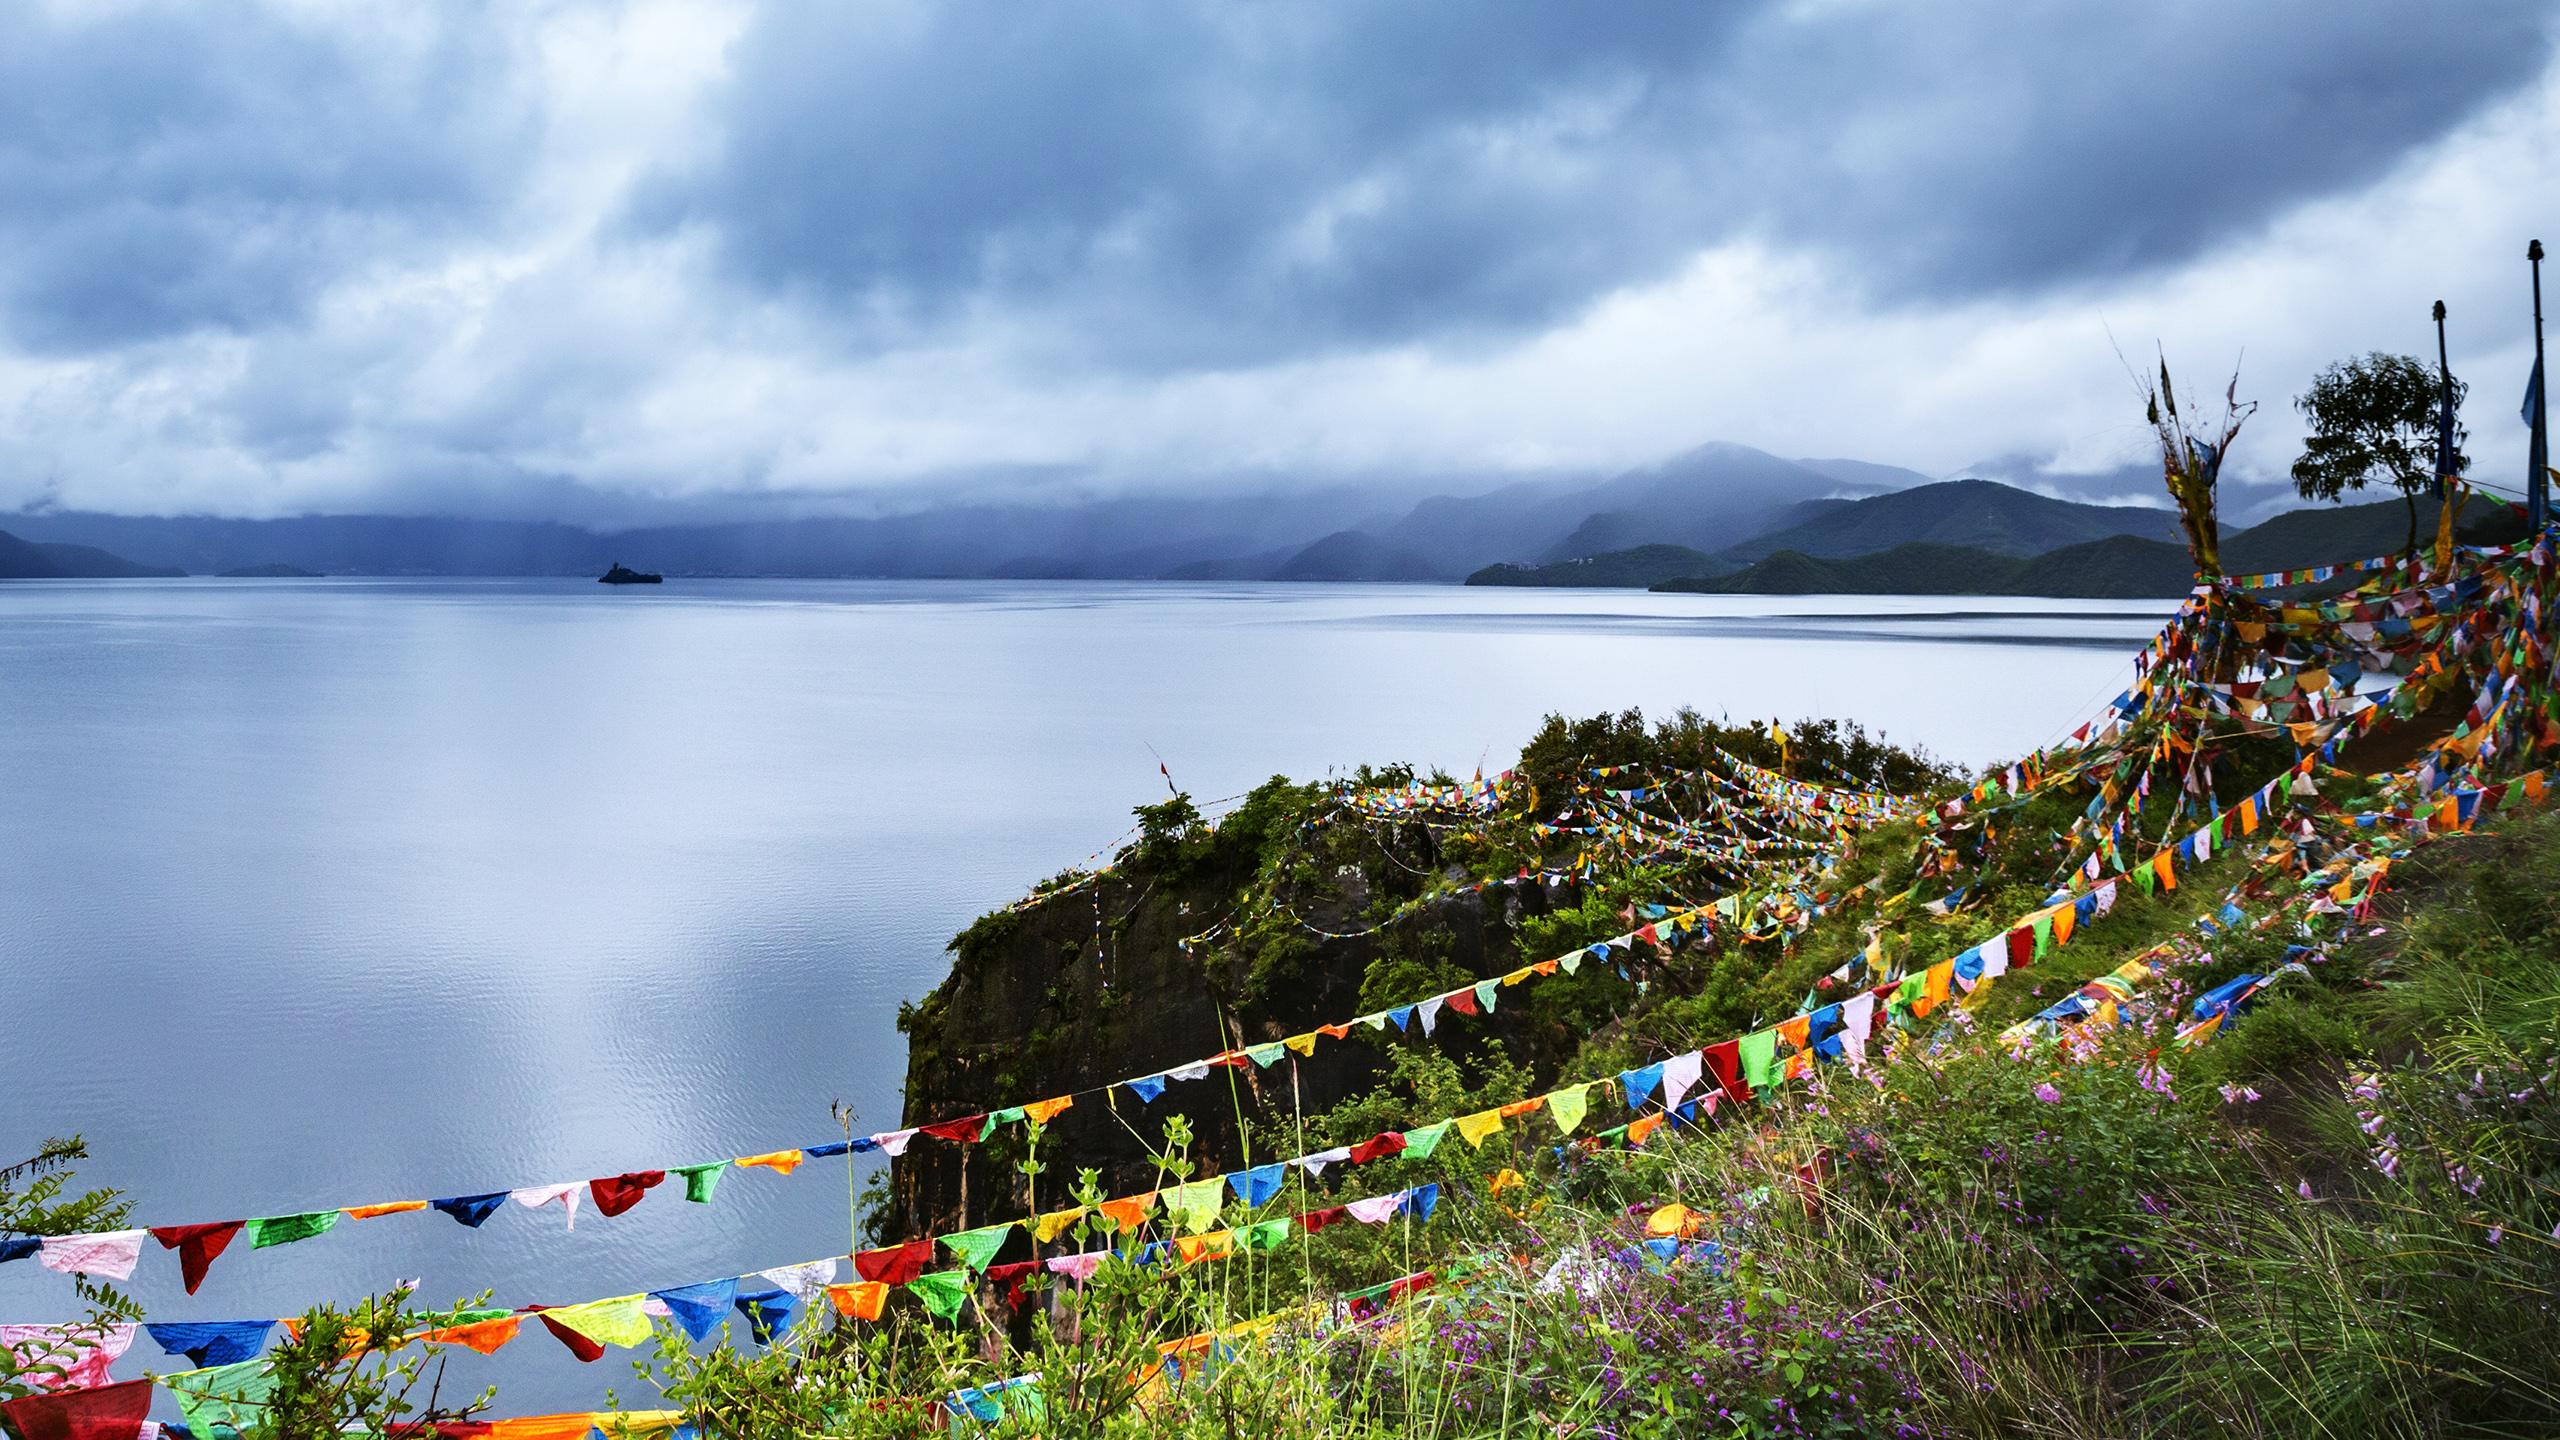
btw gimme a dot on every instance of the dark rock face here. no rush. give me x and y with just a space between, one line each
1045 1002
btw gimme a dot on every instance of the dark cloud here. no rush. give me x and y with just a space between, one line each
175 168
1216 184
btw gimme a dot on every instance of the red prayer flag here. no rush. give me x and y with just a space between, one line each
1724 1061
101 1412
964 1130
1464 1002
617 1193
1315 1220
196 1246
1377 1147
620 1192
896 1265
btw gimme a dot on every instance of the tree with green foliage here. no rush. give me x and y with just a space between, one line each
2373 419
36 1199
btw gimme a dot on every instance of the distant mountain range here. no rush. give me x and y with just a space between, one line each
26 560
1707 512
2116 567
1707 498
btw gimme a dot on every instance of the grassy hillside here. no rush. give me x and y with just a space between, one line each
1978 514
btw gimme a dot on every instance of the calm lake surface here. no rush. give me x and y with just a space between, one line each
322 893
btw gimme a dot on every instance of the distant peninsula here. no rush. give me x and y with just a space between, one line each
272 570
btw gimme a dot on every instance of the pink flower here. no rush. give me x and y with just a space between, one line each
2304 1190
2046 1093
2497 1233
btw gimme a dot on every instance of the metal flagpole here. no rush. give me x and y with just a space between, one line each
2444 409
2538 453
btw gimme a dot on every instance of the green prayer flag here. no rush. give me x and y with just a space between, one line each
1420 1143
1485 991
1571 963
1905 995
1266 1055
1374 1022
2143 877
1264 1234
943 1292
977 1248
701 1180
999 1117
2044 935
1760 1054
285 1229
1195 1206
233 1396
1568 1107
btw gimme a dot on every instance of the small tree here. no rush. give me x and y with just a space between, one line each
36 1199
2372 419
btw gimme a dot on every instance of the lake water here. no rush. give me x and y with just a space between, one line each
322 893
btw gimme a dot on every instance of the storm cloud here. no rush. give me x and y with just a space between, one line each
583 260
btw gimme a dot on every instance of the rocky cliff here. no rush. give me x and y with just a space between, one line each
1097 985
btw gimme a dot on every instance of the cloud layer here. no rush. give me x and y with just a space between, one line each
606 262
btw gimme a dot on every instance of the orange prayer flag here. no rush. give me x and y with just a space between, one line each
1041 1112
396 1207
1674 1219
1521 1107
860 1302
1642 1126
1335 1032
1797 1032
1129 1212
2160 867
1217 1245
2064 920
485 1336
781 1162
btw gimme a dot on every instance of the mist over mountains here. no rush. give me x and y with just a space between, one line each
1712 499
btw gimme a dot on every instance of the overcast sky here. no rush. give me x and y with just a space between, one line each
598 261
